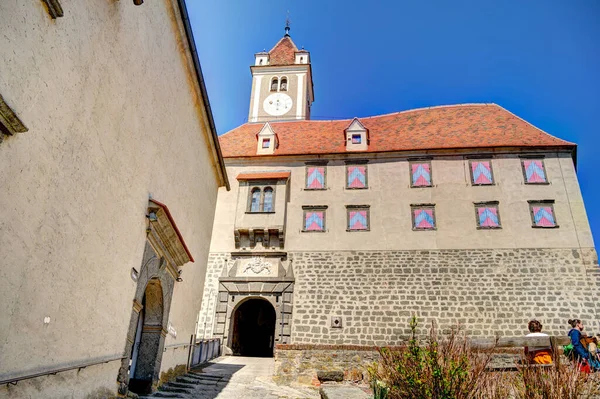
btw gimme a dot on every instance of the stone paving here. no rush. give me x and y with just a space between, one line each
233 377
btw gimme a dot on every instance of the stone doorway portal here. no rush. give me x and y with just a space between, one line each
148 340
254 328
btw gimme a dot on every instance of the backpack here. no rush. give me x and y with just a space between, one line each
568 350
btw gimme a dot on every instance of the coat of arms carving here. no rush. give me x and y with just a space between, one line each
257 265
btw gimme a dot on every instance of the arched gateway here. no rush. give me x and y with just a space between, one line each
253 328
254 303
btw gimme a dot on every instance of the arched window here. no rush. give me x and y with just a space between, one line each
260 61
268 199
283 86
274 84
255 200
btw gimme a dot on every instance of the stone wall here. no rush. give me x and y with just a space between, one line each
300 363
486 292
207 318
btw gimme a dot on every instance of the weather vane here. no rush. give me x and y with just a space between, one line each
287 24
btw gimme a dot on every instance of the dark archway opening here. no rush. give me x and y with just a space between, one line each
144 352
254 329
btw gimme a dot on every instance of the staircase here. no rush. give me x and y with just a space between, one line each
192 385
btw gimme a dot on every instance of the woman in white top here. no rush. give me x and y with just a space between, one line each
537 354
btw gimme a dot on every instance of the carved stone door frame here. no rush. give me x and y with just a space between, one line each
265 275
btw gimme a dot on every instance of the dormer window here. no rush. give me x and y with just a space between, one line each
274 84
266 140
357 136
283 85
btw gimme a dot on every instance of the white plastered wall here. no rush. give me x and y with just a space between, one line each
109 96
390 196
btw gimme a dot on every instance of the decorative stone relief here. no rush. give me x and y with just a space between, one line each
257 266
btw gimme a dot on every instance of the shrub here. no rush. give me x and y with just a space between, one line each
443 368
447 367
562 382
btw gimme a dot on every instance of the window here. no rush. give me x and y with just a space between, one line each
356 138
266 143
274 84
315 177
356 176
358 217
261 199
283 86
423 216
542 214
255 200
420 174
534 171
268 199
314 218
487 215
481 172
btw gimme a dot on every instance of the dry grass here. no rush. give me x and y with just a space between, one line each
564 382
446 367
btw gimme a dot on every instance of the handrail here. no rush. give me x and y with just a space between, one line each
15 380
175 346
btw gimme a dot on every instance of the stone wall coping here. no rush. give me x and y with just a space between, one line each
259 279
296 347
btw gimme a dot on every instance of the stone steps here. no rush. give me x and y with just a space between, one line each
184 386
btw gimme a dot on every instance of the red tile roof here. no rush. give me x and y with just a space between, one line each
283 53
445 127
265 175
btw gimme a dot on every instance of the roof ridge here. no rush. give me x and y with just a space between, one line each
431 107
534 126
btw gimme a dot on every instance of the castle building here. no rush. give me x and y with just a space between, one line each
110 171
337 232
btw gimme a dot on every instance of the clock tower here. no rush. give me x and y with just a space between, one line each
282 87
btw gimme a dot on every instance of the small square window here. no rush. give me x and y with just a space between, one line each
423 216
315 177
356 176
358 218
542 214
534 171
266 143
356 138
481 172
487 215
314 218
420 174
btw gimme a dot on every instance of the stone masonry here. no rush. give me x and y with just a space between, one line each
486 292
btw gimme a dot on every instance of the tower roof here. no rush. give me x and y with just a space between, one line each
284 52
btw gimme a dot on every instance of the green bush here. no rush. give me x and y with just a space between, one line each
447 367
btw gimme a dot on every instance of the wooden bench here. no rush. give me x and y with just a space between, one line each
554 343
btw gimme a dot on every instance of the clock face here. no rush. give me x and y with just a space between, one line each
277 104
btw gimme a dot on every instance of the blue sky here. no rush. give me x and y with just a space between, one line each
540 59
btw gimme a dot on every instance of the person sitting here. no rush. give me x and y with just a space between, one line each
580 352
537 354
